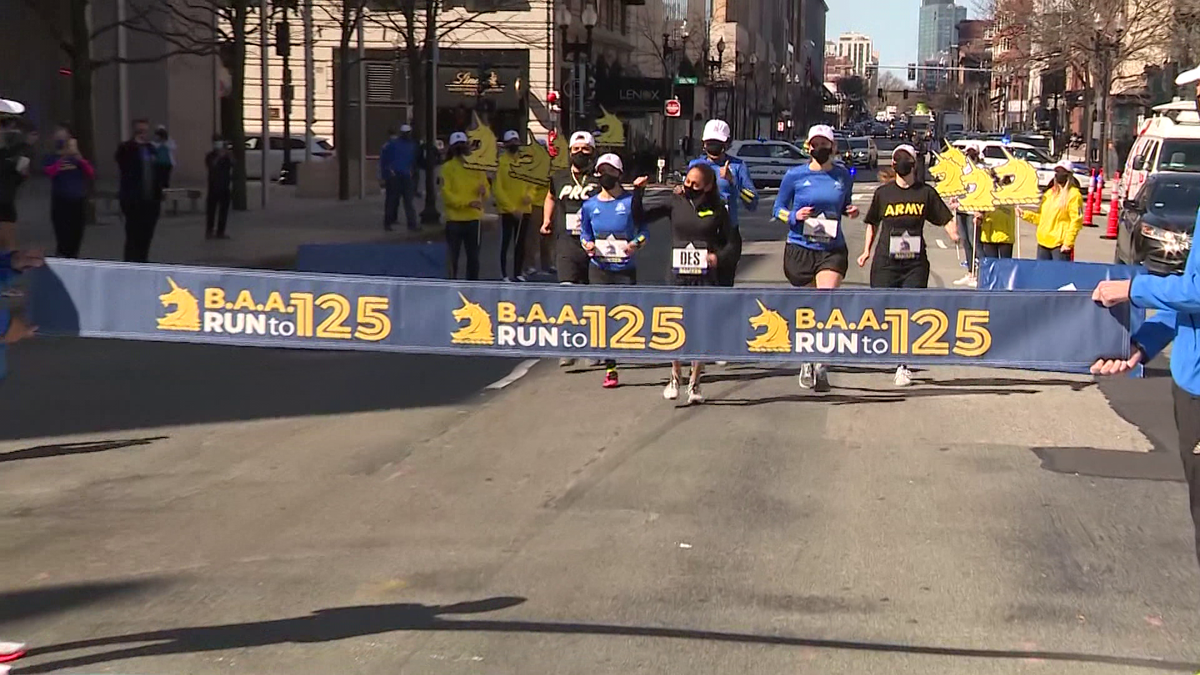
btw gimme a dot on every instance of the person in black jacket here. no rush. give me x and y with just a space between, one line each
701 235
219 162
141 191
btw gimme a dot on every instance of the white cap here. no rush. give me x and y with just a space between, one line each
611 160
716 130
582 137
1189 76
458 137
1065 165
404 128
822 131
905 147
511 135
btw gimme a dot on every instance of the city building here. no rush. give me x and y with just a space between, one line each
936 28
859 50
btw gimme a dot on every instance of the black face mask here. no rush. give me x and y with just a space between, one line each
904 167
822 155
512 149
609 181
1061 178
714 148
581 160
693 194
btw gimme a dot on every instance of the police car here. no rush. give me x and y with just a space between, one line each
767 161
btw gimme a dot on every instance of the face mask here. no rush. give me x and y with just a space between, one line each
60 144
609 181
1060 178
714 148
581 160
822 155
692 192
904 166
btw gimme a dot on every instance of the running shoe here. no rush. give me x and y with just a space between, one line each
11 651
671 391
822 375
521 278
694 395
965 280
964 264
903 376
610 379
973 283
566 363
508 279
808 376
722 363
530 271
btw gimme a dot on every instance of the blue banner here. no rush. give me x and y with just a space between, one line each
1015 274
1050 330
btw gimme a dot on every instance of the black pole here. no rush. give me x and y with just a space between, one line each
429 214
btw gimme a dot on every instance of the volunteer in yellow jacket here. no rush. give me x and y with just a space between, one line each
997 232
514 202
1060 218
463 192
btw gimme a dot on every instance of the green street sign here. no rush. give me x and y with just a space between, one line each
687 80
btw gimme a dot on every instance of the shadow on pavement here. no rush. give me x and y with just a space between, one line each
25 604
63 386
347 622
64 449
881 397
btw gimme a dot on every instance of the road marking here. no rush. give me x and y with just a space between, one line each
941 244
517 373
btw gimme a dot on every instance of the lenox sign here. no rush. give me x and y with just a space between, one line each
639 95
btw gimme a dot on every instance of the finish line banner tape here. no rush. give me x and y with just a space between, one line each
1048 330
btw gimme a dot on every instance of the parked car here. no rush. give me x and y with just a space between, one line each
322 151
1156 226
767 161
861 151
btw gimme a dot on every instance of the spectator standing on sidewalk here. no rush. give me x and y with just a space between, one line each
70 176
966 237
463 192
397 162
514 203
1060 217
219 162
140 192
15 154
164 154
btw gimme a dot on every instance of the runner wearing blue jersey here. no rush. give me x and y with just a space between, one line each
812 199
735 187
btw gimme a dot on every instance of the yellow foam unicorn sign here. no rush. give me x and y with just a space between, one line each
532 164
483 155
980 189
611 131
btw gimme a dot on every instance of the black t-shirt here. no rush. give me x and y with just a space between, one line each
10 173
569 193
899 215
705 225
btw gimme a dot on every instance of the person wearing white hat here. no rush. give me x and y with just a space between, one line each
611 236
896 231
463 192
1176 299
735 186
569 189
397 166
1060 217
812 199
515 205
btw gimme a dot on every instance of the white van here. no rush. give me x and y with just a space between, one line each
1169 141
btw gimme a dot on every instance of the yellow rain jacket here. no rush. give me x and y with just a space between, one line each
1060 217
537 194
999 226
460 187
511 193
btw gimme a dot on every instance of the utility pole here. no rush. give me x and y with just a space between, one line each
265 139
283 48
429 214
310 95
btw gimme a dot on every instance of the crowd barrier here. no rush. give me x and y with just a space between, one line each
1046 330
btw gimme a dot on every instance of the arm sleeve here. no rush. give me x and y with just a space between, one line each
1173 293
730 235
655 209
384 160
7 273
1156 333
939 213
86 167
585 226
872 217
848 196
50 165
1075 213
1034 217
452 192
746 190
782 210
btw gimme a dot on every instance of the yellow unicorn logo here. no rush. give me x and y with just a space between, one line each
776 337
612 131
483 154
532 164
949 177
980 186
478 330
562 153
186 315
1023 189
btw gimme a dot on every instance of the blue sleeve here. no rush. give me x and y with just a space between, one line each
849 192
385 158
1173 293
746 190
7 273
585 224
783 201
1156 333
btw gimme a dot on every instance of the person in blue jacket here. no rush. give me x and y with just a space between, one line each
1177 301
812 199
734 185
397 160
610 236
14 328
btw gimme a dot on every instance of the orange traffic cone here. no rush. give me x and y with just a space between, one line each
1088 216
1114 209
1099 193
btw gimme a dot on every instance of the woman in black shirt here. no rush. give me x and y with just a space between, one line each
701 236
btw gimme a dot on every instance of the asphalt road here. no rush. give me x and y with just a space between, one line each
173 509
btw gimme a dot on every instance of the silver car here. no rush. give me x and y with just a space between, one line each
768 161
860 151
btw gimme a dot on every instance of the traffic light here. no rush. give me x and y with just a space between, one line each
912 74
906 94
879 94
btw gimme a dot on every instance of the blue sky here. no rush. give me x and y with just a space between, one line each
892 24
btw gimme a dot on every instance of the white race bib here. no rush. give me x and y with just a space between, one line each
820 228
690 260
612 249
904 246
573 225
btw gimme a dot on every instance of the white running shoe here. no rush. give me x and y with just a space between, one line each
964 281
566 363
722 363
671 391
808 376
694 395
822 376
973 283
903 376
521 278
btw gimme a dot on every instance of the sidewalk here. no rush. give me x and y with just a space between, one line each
261 239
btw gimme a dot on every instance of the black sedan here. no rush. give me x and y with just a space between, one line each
1156 226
